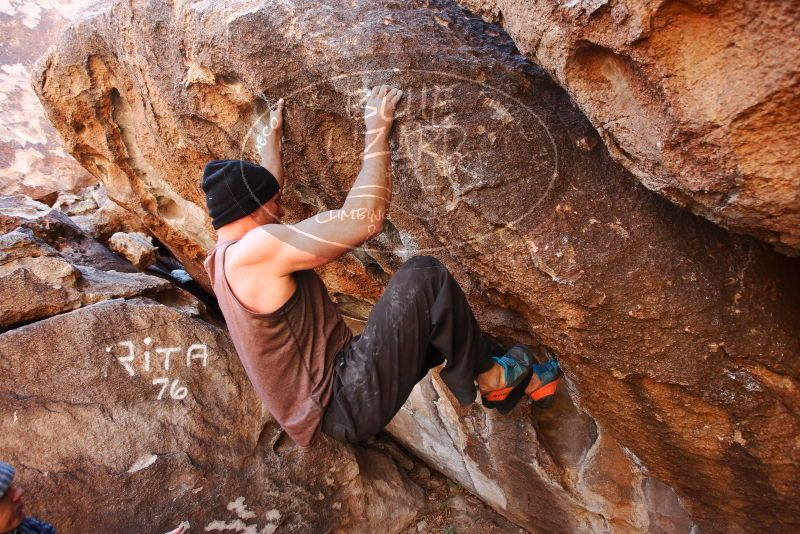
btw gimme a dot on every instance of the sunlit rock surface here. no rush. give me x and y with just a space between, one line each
139 416
697 99
32 159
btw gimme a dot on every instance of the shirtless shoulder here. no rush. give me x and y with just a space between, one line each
255 284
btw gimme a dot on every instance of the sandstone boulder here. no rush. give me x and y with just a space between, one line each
78 203
679 339
553 472
135 247
97 215
59 231
50 266
133 416
107 218
37 282
697 99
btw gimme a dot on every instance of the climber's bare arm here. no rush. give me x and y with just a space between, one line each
269 141
328 235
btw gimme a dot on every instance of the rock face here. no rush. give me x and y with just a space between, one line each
48 266
136 247
133 440
36 282
59 231
678 339
696 98
560 474
96 214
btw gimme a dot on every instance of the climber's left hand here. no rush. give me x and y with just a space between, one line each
269 128
275 121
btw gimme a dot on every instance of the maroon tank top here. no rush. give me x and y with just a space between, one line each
287 354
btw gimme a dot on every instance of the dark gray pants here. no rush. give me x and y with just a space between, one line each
421 320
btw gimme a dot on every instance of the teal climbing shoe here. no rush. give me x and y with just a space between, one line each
517 372
549 375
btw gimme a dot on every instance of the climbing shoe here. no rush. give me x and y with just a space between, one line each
549 375
517 373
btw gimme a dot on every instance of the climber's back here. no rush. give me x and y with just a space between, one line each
287 352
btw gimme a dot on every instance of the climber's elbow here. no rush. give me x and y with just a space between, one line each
369 217
375 227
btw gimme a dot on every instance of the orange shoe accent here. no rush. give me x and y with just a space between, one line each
498 394
546 390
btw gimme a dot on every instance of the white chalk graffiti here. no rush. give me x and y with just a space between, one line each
244 513
197 353
175 392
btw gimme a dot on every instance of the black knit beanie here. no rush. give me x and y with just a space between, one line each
235 188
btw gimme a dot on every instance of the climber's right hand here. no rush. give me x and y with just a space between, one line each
380 106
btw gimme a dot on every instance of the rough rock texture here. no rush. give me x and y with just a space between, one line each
48 266
135 247
133 440
679 339
37 282
561 474
105 219
80 203
696 98
59 231
32 159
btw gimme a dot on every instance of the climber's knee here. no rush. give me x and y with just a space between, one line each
420 271
422 262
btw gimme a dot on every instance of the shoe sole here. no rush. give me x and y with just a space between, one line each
544 396
507 404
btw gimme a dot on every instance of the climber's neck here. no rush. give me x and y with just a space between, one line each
238 228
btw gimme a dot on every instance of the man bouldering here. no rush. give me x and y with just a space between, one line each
311 372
